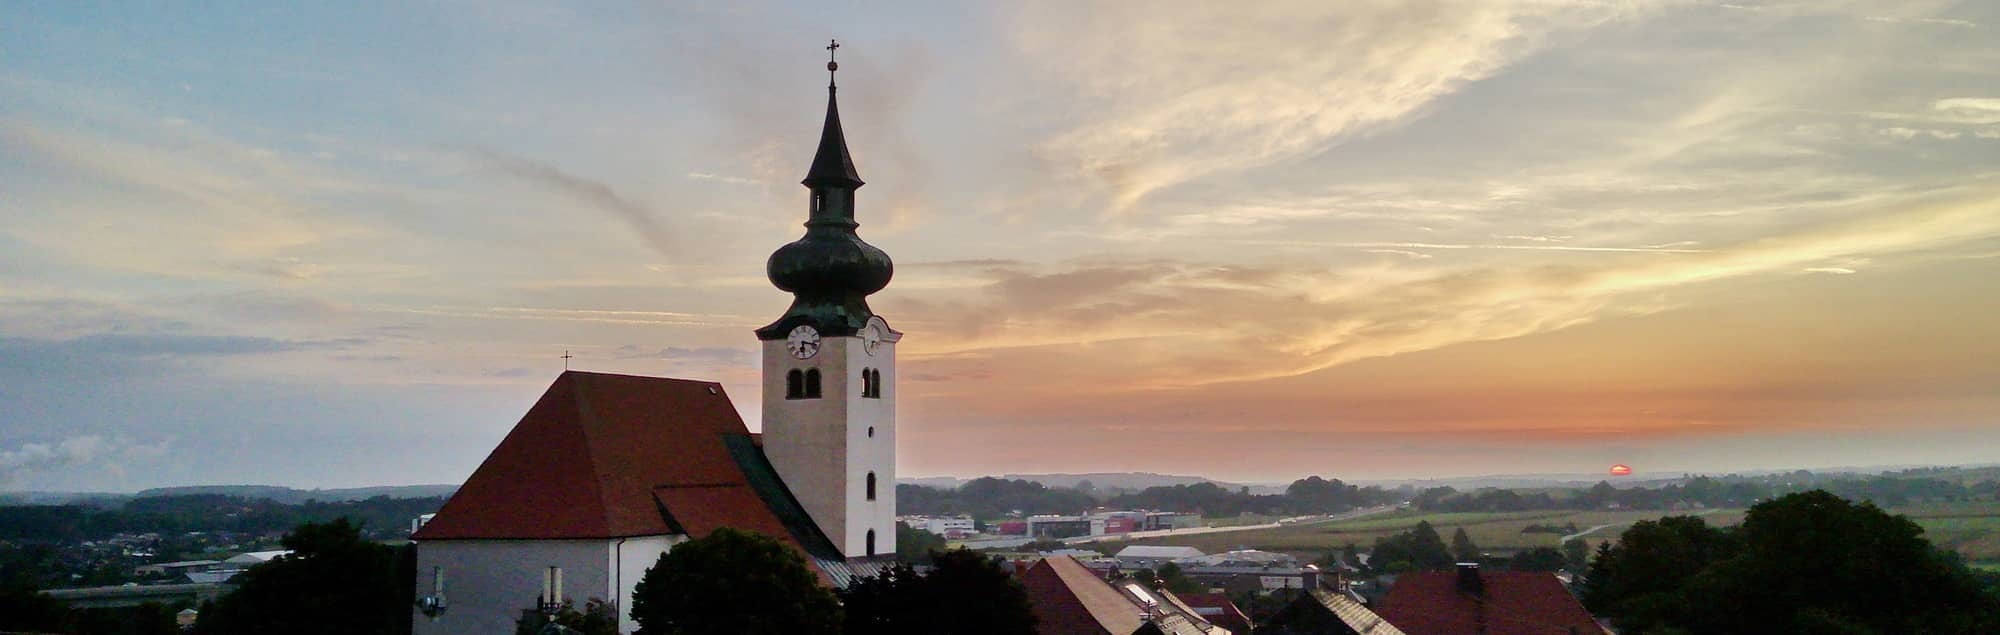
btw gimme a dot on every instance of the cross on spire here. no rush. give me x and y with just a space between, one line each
565 359
832 47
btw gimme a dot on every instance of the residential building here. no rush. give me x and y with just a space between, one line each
1069 599
1469 600
1323 612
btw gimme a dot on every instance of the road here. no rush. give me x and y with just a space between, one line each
1313 520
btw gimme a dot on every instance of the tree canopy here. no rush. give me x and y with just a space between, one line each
1419 549
333 582
1804 563
965 593
733 582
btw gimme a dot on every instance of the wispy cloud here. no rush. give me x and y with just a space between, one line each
640 219
1207 89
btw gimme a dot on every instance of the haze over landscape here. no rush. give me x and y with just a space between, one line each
254 244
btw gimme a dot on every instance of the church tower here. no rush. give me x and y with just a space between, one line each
830 362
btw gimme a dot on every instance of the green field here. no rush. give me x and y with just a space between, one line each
1972 529
1498 532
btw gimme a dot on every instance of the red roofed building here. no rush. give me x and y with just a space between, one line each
607 472
1069 599
1215 607
1488 602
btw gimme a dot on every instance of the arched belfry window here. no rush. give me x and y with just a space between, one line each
871 383
795 384
871 542
812 383
871 486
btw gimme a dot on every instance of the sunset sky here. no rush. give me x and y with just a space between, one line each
347 245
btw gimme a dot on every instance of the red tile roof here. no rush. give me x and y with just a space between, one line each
1513 603
1215 607
1070 600
587 459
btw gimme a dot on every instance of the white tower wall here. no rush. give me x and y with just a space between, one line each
825 448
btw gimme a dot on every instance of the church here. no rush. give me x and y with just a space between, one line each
607 472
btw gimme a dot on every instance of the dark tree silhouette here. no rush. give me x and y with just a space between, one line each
916 545
1462 547
1810 562
332 582
965 594
733 582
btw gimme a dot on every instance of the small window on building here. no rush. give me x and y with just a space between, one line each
871 486
812 383
871 534
795 384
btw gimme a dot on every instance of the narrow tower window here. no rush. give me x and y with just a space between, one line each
812 383
871 486
871 383
871 541
795 384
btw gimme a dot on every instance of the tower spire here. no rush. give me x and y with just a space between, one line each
831 166
830 271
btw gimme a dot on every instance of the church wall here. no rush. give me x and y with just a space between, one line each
489 582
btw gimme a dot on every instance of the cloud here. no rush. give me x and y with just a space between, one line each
1179 95
1174 323
638 218
699 354
29 460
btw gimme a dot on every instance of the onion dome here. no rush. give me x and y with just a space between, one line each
830 271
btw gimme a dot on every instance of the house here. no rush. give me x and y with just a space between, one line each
1469 600
605 473
1323 612
1216 607
1069 599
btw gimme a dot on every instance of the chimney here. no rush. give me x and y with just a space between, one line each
1309 577
1468 578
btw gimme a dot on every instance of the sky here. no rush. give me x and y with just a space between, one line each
348 244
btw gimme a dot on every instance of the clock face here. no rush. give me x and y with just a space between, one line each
803 342
871 338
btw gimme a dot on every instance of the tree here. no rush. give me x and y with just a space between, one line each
1462 547
732 581
1351 556
1809 562
1640 578
1576 554
1537 559
915 545
1171 577
1419 549
965 594
333 581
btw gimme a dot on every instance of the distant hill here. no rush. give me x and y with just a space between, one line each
292 496
1102 481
